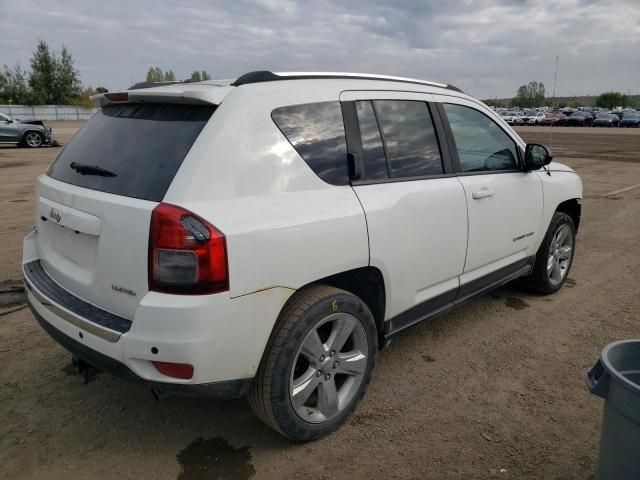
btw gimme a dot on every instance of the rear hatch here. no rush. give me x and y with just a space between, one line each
94 204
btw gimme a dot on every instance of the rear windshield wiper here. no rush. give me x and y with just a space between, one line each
85 169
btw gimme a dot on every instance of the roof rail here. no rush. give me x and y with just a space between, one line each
260 76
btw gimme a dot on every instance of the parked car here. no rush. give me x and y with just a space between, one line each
531 117
606 120
26 133
579 119
260 236
553 119
618 113
513 117
631 119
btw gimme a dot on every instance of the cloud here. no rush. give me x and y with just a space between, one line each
486 47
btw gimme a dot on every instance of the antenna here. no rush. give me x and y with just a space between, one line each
553 104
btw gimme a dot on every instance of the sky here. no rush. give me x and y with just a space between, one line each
486 47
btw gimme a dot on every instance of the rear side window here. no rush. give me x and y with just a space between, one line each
375 162
131 149
316 131
409 138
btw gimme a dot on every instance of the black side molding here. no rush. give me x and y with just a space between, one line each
441 304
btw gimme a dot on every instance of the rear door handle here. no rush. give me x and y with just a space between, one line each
483 193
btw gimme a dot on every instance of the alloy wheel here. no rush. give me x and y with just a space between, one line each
328 368
560 254
33 140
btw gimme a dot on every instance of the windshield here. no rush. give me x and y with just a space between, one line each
131 149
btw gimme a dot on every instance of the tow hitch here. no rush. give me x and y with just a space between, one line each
84 369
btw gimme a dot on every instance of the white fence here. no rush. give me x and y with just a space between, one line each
48 112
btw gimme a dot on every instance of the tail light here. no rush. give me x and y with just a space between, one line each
187 255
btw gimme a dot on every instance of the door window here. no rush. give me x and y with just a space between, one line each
482 145
409 138
375 161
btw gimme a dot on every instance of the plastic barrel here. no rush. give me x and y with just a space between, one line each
616 378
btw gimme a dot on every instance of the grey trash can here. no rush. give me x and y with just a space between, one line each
616 378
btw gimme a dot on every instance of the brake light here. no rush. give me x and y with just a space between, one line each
187 255
183 371
117 96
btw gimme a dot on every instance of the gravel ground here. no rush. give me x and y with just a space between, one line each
494 389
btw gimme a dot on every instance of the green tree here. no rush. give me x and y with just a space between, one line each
4 82
200 76
14 86
155 74
611 100
101 90
67 85
43 75
530 95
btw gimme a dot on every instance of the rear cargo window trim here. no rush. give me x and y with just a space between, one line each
144 145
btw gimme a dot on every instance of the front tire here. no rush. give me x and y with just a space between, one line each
554 257
317 364
33 139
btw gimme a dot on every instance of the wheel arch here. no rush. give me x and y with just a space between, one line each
23 139
573 208
367 283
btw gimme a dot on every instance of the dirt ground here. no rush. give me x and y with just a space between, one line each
494 389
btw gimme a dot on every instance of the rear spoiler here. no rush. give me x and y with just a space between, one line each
190 95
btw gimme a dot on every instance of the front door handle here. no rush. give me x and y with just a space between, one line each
483 193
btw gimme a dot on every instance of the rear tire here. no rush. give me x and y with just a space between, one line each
554 258
317 363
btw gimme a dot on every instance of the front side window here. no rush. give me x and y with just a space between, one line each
409 138
481 144
316 131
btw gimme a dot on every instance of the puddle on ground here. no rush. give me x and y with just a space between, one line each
12 164
428 358
12 294
516 303
214 459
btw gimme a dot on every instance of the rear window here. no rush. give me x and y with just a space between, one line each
132 150
316 131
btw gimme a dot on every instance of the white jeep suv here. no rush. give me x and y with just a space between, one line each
266 236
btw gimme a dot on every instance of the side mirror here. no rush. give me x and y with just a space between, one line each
536 156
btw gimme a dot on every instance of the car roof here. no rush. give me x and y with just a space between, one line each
214 91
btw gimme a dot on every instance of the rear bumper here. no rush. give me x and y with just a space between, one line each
223 338
220 390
